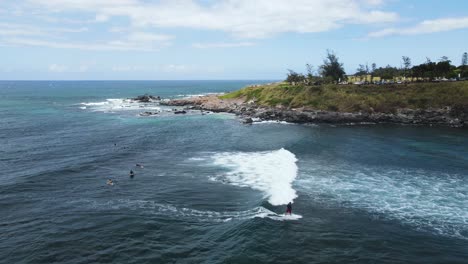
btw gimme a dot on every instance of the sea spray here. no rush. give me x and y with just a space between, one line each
110 105
271 172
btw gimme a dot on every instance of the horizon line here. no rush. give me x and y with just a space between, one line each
130 80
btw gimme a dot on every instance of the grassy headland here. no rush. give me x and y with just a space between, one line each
354 98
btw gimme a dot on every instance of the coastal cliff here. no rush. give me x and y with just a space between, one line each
428 104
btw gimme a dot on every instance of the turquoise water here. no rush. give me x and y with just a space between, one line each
213 190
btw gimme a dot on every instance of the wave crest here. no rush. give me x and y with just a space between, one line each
271 172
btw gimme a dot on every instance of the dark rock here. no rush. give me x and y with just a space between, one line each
146 98
148 113
180 112
248 121
454 117
178 102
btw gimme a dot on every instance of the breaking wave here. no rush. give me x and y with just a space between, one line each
111 105
271 172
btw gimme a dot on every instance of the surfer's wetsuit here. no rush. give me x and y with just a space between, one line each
289 209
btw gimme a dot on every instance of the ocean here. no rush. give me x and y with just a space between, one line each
213 190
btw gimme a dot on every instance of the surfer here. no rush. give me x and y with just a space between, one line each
110 182
289 208
139 165
132 174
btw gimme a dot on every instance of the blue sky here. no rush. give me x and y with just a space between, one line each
225 39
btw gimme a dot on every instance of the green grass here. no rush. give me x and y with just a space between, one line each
352 98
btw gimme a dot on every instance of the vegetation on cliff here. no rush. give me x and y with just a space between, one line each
332 71
354 98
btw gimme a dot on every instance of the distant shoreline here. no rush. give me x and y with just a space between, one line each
250 111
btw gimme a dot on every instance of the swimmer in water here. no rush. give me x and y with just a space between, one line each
110 182
139 165
132 174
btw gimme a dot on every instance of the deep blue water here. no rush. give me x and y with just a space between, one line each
213 190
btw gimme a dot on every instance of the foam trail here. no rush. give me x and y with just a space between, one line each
271 172
153 207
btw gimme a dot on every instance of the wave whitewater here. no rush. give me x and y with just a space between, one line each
425 200
271 172
116 104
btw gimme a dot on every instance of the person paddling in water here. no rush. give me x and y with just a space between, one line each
289 208
132 174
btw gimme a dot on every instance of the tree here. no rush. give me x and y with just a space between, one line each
294 77
463 69
429 69
367 70
310 70
291 76
443 59
387 73
406 65
443 68
373 68
417 71
361 71
310 74
332 69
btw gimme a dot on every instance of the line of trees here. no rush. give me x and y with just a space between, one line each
426 71
332 71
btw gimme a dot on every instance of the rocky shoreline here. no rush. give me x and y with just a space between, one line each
251 112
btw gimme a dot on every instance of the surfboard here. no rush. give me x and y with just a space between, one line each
284 217
291 216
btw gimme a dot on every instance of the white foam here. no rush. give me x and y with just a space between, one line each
196 95
271 172
425 200
272 122
279 217
196 159
153 207
95 104
112 104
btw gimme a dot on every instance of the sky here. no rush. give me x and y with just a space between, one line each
224 39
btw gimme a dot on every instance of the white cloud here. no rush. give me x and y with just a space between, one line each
374 2
173 68
83 68
128 68
242 18
139 41
57 68
78 68
222 45
148 37
425 27
12 29
119 29
101 18
163 68
64 5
